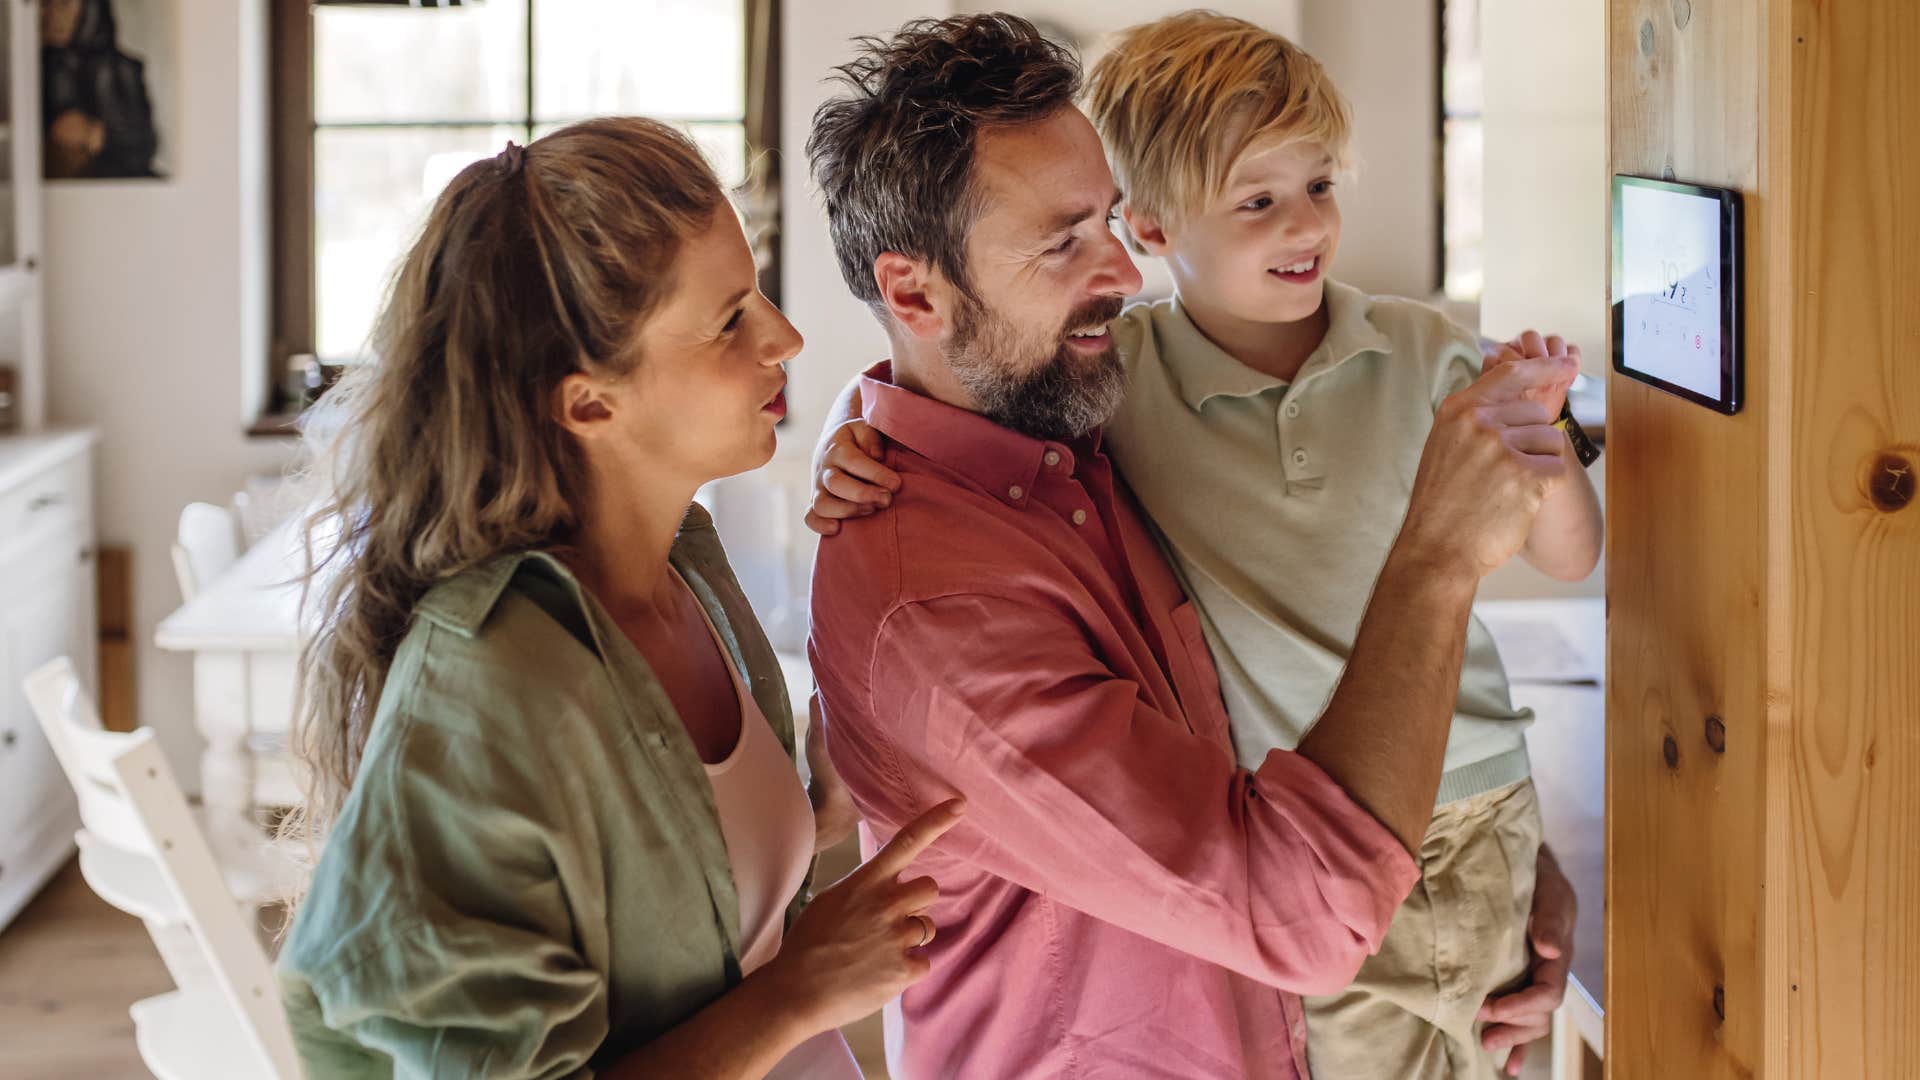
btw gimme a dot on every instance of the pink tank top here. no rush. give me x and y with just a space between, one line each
768 825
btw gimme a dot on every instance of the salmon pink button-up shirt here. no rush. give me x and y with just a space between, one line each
1122 898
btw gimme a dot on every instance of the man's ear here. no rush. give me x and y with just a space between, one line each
582 405
1147 230
913 294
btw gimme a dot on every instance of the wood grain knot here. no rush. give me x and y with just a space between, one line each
1682 13
1716 735
1646 37
1890 482
1720 1002
1670 750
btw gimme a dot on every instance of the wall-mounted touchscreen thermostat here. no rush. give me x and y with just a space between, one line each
1676 289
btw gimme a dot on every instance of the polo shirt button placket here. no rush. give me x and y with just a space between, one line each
1292 410
1052 458
1300 458
1079 517
1016 492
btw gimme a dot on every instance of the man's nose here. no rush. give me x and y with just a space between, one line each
1118 275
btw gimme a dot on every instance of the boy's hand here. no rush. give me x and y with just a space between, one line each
848 479
1528 346
1492 458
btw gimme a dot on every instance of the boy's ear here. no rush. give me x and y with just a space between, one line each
912 293
582 405
1146 229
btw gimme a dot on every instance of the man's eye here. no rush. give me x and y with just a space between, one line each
1062 247
734 322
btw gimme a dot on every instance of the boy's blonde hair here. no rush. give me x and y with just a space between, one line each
1179 100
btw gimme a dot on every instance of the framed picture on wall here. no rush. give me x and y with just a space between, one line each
106 87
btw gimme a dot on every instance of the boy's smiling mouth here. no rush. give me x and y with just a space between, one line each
1298 272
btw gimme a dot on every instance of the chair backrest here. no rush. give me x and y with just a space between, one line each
138 825
207 542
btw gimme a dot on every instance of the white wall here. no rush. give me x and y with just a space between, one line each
157 328
1546 171
1383 54
1546 200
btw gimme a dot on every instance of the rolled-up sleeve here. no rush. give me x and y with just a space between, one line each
1079 791
447 950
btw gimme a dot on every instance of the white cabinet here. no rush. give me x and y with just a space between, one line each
46 610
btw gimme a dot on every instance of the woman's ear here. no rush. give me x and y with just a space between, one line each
1147 229
582 405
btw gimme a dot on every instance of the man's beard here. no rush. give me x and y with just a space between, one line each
1065 397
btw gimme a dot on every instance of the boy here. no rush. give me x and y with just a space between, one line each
1271 430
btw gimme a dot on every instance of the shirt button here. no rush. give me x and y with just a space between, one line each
1079 517
1052 458
1292 410
1015 492
1300 458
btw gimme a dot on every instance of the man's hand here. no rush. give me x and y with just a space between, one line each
1527 346
848 479
1523 1017
834 815
1492 458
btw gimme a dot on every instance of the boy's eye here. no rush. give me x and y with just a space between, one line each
1256 204
1320 187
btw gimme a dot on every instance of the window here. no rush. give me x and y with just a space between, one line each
1461 166
379 105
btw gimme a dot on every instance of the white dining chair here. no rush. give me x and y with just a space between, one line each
206 543
142 851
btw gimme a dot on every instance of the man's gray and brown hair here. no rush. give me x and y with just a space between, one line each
893 155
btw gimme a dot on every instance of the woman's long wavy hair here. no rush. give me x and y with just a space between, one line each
535 264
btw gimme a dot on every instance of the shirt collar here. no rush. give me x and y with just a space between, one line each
1204 370
998 459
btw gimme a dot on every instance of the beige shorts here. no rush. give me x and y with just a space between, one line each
1460 936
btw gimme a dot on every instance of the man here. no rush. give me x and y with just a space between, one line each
1122 897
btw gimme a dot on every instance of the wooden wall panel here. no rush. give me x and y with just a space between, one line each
1764 570
1688 581
1853 960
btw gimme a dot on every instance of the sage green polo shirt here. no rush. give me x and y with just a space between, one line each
529 877
1278 504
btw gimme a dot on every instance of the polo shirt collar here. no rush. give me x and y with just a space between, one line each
1203 370
997 459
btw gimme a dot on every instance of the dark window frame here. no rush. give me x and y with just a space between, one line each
292 127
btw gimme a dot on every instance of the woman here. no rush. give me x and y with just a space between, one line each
552 752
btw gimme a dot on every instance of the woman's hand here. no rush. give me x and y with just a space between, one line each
857 945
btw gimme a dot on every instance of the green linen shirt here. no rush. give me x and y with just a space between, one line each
528 878
1278 504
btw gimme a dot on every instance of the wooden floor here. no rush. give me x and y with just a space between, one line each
69 967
